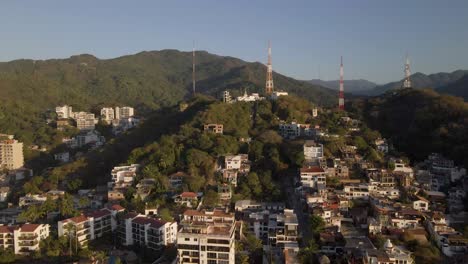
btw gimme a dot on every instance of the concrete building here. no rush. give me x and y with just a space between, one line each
90 226
206 237
124 175
293 130
62 157
312 150
249 98
107 114
64 112
11 153
124 112
136 229
23 239
276 94
312 177
213 128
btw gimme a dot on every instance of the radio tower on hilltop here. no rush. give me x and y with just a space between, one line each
407 82
341 97
269 76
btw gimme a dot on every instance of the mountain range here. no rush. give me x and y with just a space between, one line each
147 81
421 80
453 83
352 86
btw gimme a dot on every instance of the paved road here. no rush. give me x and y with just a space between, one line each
294 201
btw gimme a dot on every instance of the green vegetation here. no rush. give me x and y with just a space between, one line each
147 80
419 122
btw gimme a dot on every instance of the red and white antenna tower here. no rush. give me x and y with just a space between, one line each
341 97
269 77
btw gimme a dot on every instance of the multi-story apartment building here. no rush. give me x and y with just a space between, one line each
85 123
90 226
11 153
270 222
64 111
23 239
313 176
148 232
124 112
294 130
312 150
107 114
124 175
206 237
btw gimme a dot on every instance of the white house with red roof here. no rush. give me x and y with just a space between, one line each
23 239
188 199
312 176
91 225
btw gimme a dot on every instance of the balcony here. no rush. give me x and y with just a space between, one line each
28 243
28 237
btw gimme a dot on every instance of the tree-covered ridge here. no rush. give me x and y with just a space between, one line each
146 81
420 122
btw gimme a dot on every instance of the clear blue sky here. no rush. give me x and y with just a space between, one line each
372 35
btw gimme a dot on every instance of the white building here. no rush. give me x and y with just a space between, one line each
92 137
4 192
124 124
421 204
356 191
293 130
124 112
90 226
276 94
235 162
23 239
206 237
107 114
312 150
64 111
11 153
136 229
314 112
249 98
313 176
124 175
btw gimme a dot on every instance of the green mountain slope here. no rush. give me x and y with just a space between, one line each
458 88
419 121
351 86
421 80
147 81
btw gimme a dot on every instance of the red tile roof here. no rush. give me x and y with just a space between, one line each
7 229
141 220
116 207
76 219
188 195
312 169
29 227
99 213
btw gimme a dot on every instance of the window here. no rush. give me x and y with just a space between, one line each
187 239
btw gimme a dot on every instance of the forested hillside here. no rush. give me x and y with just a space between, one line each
421 80
419 122
146 81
